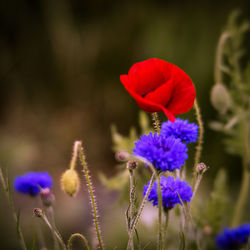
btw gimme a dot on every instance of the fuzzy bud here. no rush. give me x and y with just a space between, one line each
122 156
38 212
47 197
201 168
70 182
131 165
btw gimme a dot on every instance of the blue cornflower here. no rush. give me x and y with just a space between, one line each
187 132
171 190
233 239
164 153
32 182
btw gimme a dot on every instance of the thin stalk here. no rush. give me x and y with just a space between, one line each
156 122
50 212
141 209
200 140
77 144
131 208
77 235
242 199
53 230
6 188
160 244
91 194
245 183
166 212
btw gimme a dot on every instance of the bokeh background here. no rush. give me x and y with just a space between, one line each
60 63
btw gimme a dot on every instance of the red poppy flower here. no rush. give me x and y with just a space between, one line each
157 85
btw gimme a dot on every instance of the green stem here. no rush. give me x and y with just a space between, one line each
219 57
242 199
200 140
92 196
6 188
160 245
166 212
156 122
141 209
131 208
53 230
77 235
50 212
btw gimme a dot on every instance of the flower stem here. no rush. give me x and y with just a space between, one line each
141 209
6 188
166 212
160 245
53 229
77 235
200 140
131 208
50 212
156 122
91 194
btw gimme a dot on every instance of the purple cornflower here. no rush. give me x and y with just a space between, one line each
233 239
32 182
187 132
171 190
166 154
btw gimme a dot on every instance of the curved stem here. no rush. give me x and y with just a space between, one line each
92 196
200 140
160 245
77 235
141 209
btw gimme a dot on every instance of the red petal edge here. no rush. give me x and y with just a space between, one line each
144 104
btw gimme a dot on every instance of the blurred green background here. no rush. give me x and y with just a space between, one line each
59 73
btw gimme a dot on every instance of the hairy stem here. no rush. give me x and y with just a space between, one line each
77 235
141 209
6 188
156 122
131 208
91 194
160 245
200 140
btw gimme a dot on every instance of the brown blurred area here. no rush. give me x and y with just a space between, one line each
59 73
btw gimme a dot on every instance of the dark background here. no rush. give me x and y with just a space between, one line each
60 63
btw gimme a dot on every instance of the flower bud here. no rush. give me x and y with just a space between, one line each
131 165
70 182
47 197
122 156
201 168
38 212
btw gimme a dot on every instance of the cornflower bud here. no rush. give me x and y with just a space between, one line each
122 156
201 168
47 197
70 182
38 212
131 165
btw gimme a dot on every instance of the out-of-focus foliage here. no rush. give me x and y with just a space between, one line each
126 143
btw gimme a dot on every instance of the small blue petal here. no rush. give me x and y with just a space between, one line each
166 154
233 239
182 129
171 190
31 182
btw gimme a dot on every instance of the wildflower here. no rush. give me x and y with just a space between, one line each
157 85
164 153
172 190
187 132
70 182
233 239
32 182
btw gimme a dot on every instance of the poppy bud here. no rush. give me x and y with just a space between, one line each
220 98
70 182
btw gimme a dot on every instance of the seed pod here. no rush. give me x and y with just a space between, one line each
70 182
